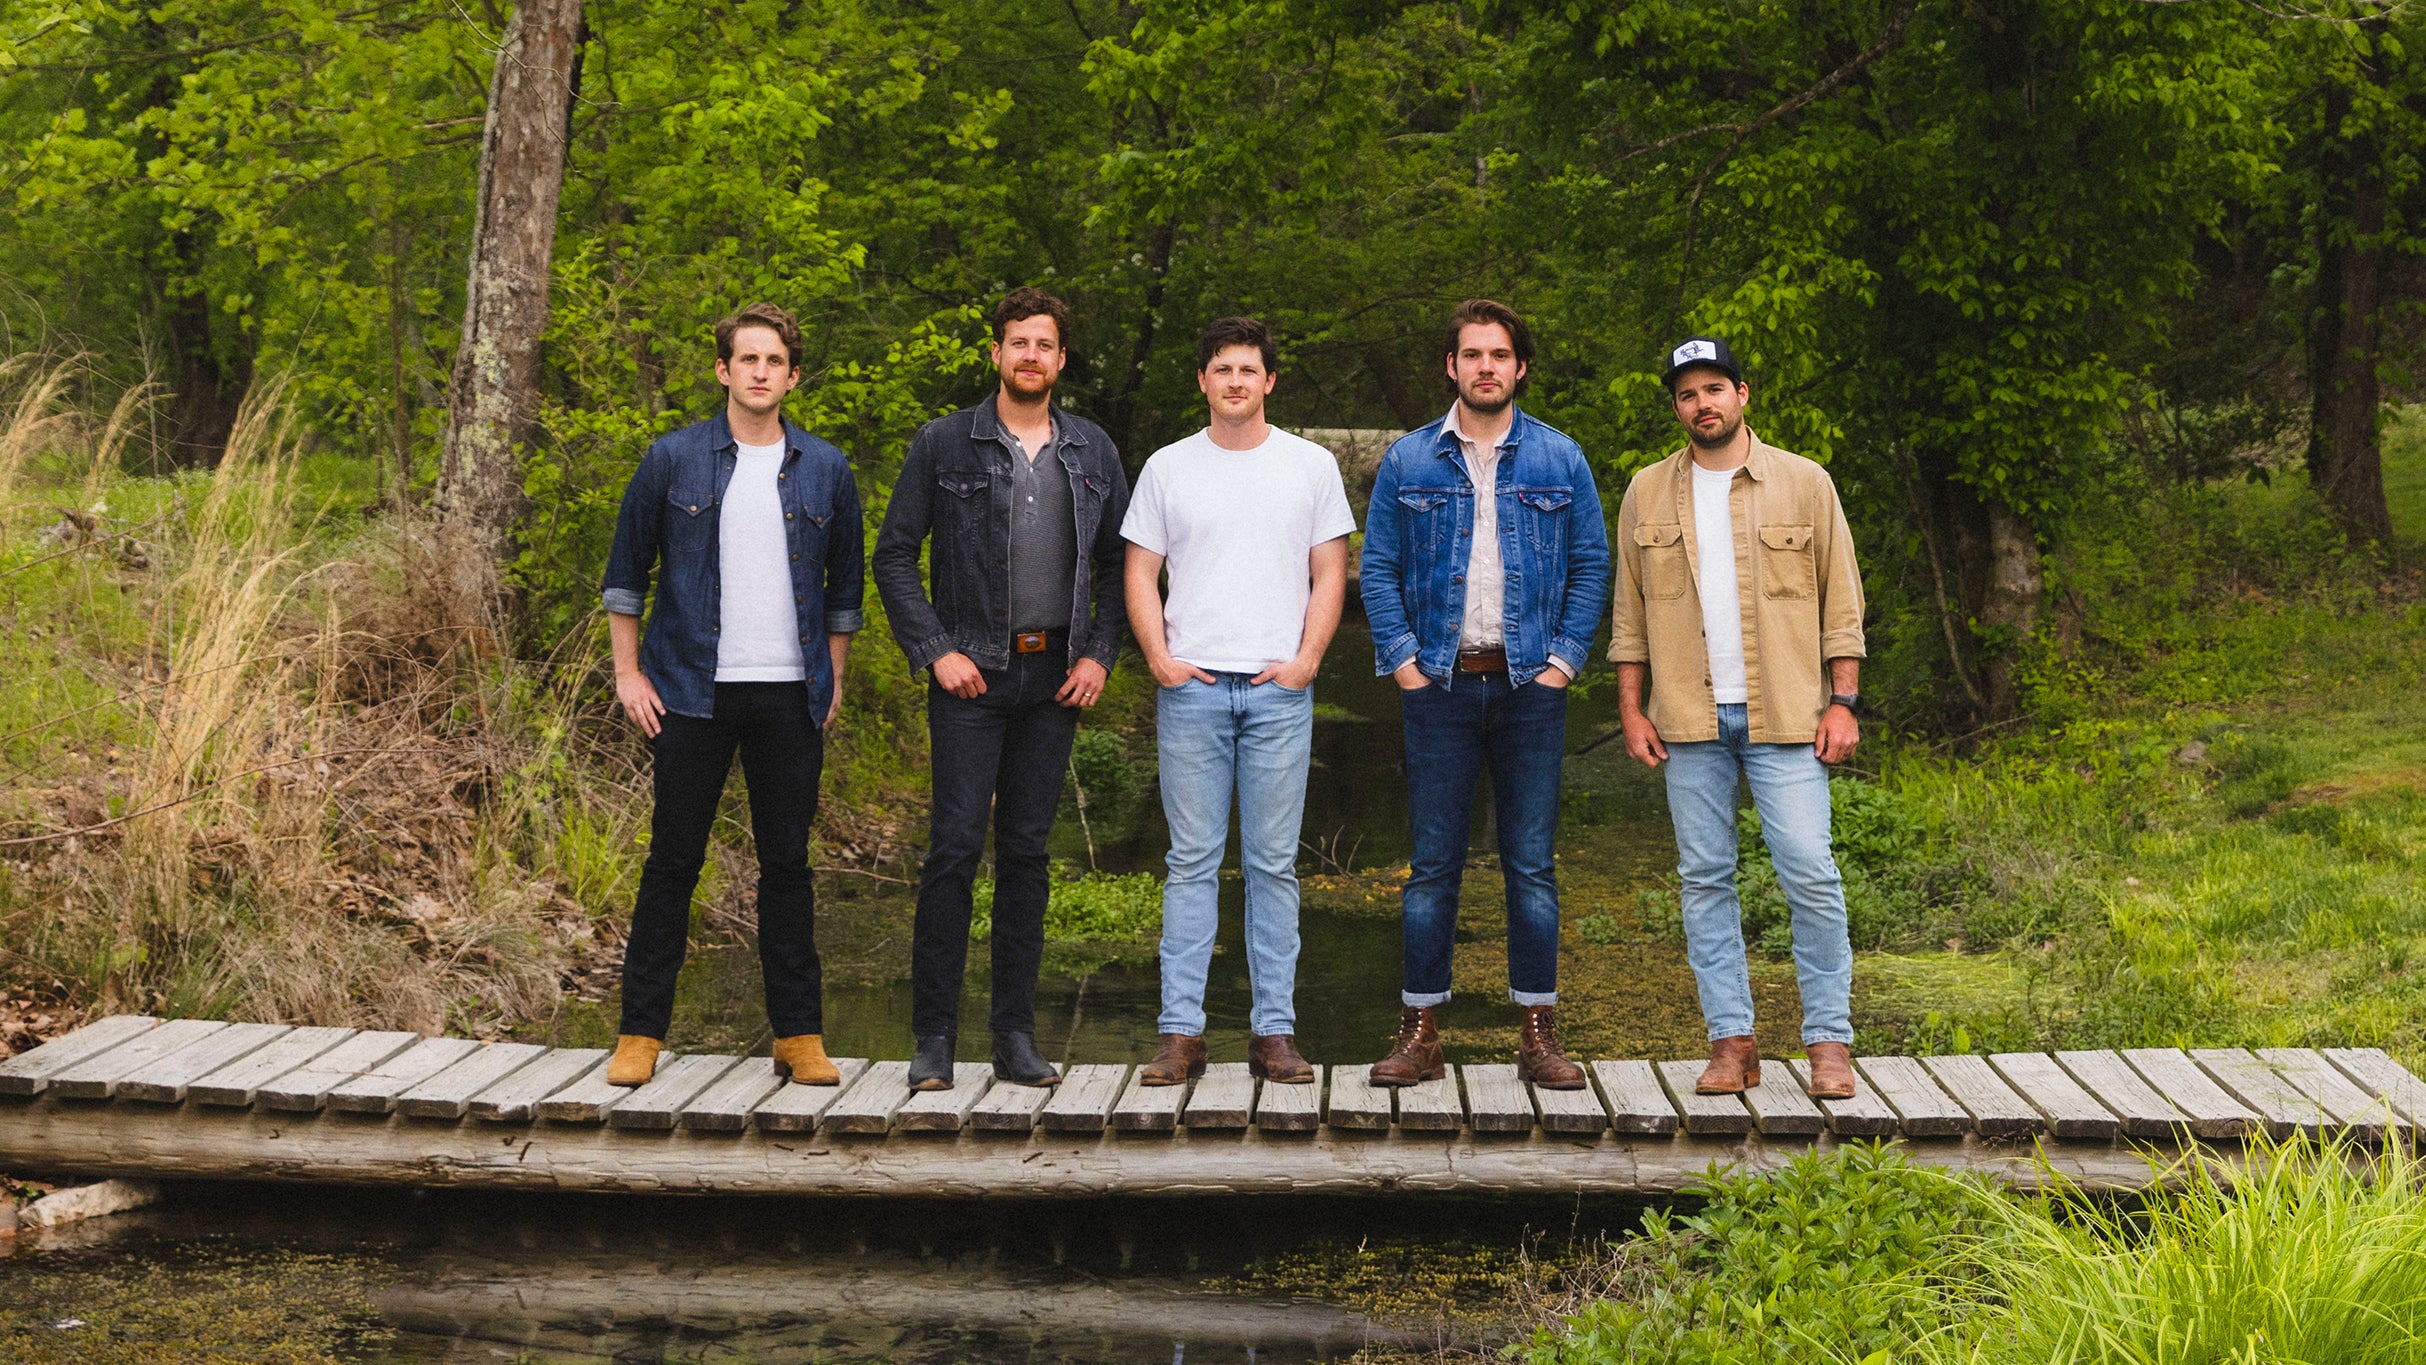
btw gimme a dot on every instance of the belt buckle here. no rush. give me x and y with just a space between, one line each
1029 642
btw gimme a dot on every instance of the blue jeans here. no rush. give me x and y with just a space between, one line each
1452 734
1214 739
1790 789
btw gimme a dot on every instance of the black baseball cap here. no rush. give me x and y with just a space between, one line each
1700 351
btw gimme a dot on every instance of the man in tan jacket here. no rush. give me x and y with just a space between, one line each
1739 604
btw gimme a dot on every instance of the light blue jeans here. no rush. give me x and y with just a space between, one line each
1214 739
1790 789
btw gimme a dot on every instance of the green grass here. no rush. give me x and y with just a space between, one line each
2405 474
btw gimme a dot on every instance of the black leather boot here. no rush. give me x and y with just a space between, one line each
1017 1061
931 1065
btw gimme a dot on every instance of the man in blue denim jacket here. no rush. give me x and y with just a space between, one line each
751 527
1483 609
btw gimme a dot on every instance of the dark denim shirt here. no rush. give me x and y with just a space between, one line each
955 486
1418 537
670 527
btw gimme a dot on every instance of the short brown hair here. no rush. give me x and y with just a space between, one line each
1488 312
1222 333
1031 303
771 316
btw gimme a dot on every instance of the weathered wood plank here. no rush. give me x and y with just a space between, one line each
945 1111
1924 1109
589 1099
1578 1112
1356 1103
1149 1108
1703 1113
2361 1115
726 1106
29 1073
658 1104
306 1089
1996 1111
2374 1072
374 1089
867 1104
2145 1113
164 1080
1866 1114
2209 1111
1779 1106
96 1077
2281 1109
516 1098
2070 1111
448 1094
1009 1108
240 1081
1083 1102
1436 1106
1224 1098
1638 1103
799 1108
1496 1101
1296 1108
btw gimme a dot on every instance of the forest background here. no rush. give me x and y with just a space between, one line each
2104 314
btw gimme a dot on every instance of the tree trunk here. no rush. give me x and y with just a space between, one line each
2009 607
207 388
2345 329
495 392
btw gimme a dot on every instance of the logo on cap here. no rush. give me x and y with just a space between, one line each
1691 351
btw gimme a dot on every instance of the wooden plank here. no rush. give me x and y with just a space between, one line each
726 1106
944 1111
2360 1114
1579 1112
1703 1113
2208 1110
164 1080
374 1089
29 1073
1638 1103
1996 1111
589 1099
1437 1106
1224 1098
448 1094
1496 1101
1149 1108
1921 1107
1865 1114
1296 1108
2111 1081
2374 1072
2070 1111
867 1104
1779 1106
1083 1102
799 1108
96 1076
516 1098
659 1103
306 1089
2279 1105
240 1081
1009 1108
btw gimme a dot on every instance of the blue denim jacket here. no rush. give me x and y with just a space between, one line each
1552 543
671 517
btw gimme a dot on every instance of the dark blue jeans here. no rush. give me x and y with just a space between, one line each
1453 735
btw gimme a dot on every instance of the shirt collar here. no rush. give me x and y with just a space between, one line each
1450 429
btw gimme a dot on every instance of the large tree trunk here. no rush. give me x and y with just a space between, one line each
496 383
2345 329
2009 606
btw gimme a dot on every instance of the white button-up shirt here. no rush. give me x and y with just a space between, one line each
1484 626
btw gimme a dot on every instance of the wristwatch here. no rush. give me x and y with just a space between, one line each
1851 701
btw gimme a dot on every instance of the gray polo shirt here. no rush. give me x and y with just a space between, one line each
1044 535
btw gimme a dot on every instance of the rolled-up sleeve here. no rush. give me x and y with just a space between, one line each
1629 635
846 582
638 530
1841 604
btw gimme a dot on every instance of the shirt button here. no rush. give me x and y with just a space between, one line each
787 516
796 559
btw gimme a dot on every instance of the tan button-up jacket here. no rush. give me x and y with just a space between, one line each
1796 584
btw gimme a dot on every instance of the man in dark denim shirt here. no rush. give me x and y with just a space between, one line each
752 529
1023 504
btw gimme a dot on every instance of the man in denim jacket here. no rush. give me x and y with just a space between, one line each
1483 609
751 528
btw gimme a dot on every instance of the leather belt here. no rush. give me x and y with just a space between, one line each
1482 661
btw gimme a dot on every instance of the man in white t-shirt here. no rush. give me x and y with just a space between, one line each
1252 524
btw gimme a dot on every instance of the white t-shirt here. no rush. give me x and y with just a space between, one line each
1234 528
758 628
1722 615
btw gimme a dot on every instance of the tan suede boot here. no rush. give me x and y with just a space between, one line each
635 1059
803 1058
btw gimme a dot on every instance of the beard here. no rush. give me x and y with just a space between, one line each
1723 437
1030 384
1487 407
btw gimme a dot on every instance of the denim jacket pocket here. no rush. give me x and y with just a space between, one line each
1546 516
690 520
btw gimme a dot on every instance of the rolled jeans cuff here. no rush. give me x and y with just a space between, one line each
1529 999
1423 1000
1828 1036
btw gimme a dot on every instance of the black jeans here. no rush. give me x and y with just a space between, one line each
782 754
1002 752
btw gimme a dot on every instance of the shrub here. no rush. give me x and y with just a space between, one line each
1096 905
1879 846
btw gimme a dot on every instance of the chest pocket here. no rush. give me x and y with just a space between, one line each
1426 514
1789 567
961 502
1665 572
690 520
1546 515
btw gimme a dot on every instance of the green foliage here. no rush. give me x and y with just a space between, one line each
1087 906
1879 845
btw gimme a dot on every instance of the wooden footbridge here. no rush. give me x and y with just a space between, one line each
137 1096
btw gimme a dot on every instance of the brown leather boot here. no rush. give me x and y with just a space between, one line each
803 1057
1274 1057
1735 1067
1179 1057
1539 1058
1416 1056
1831 1070
635 1059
